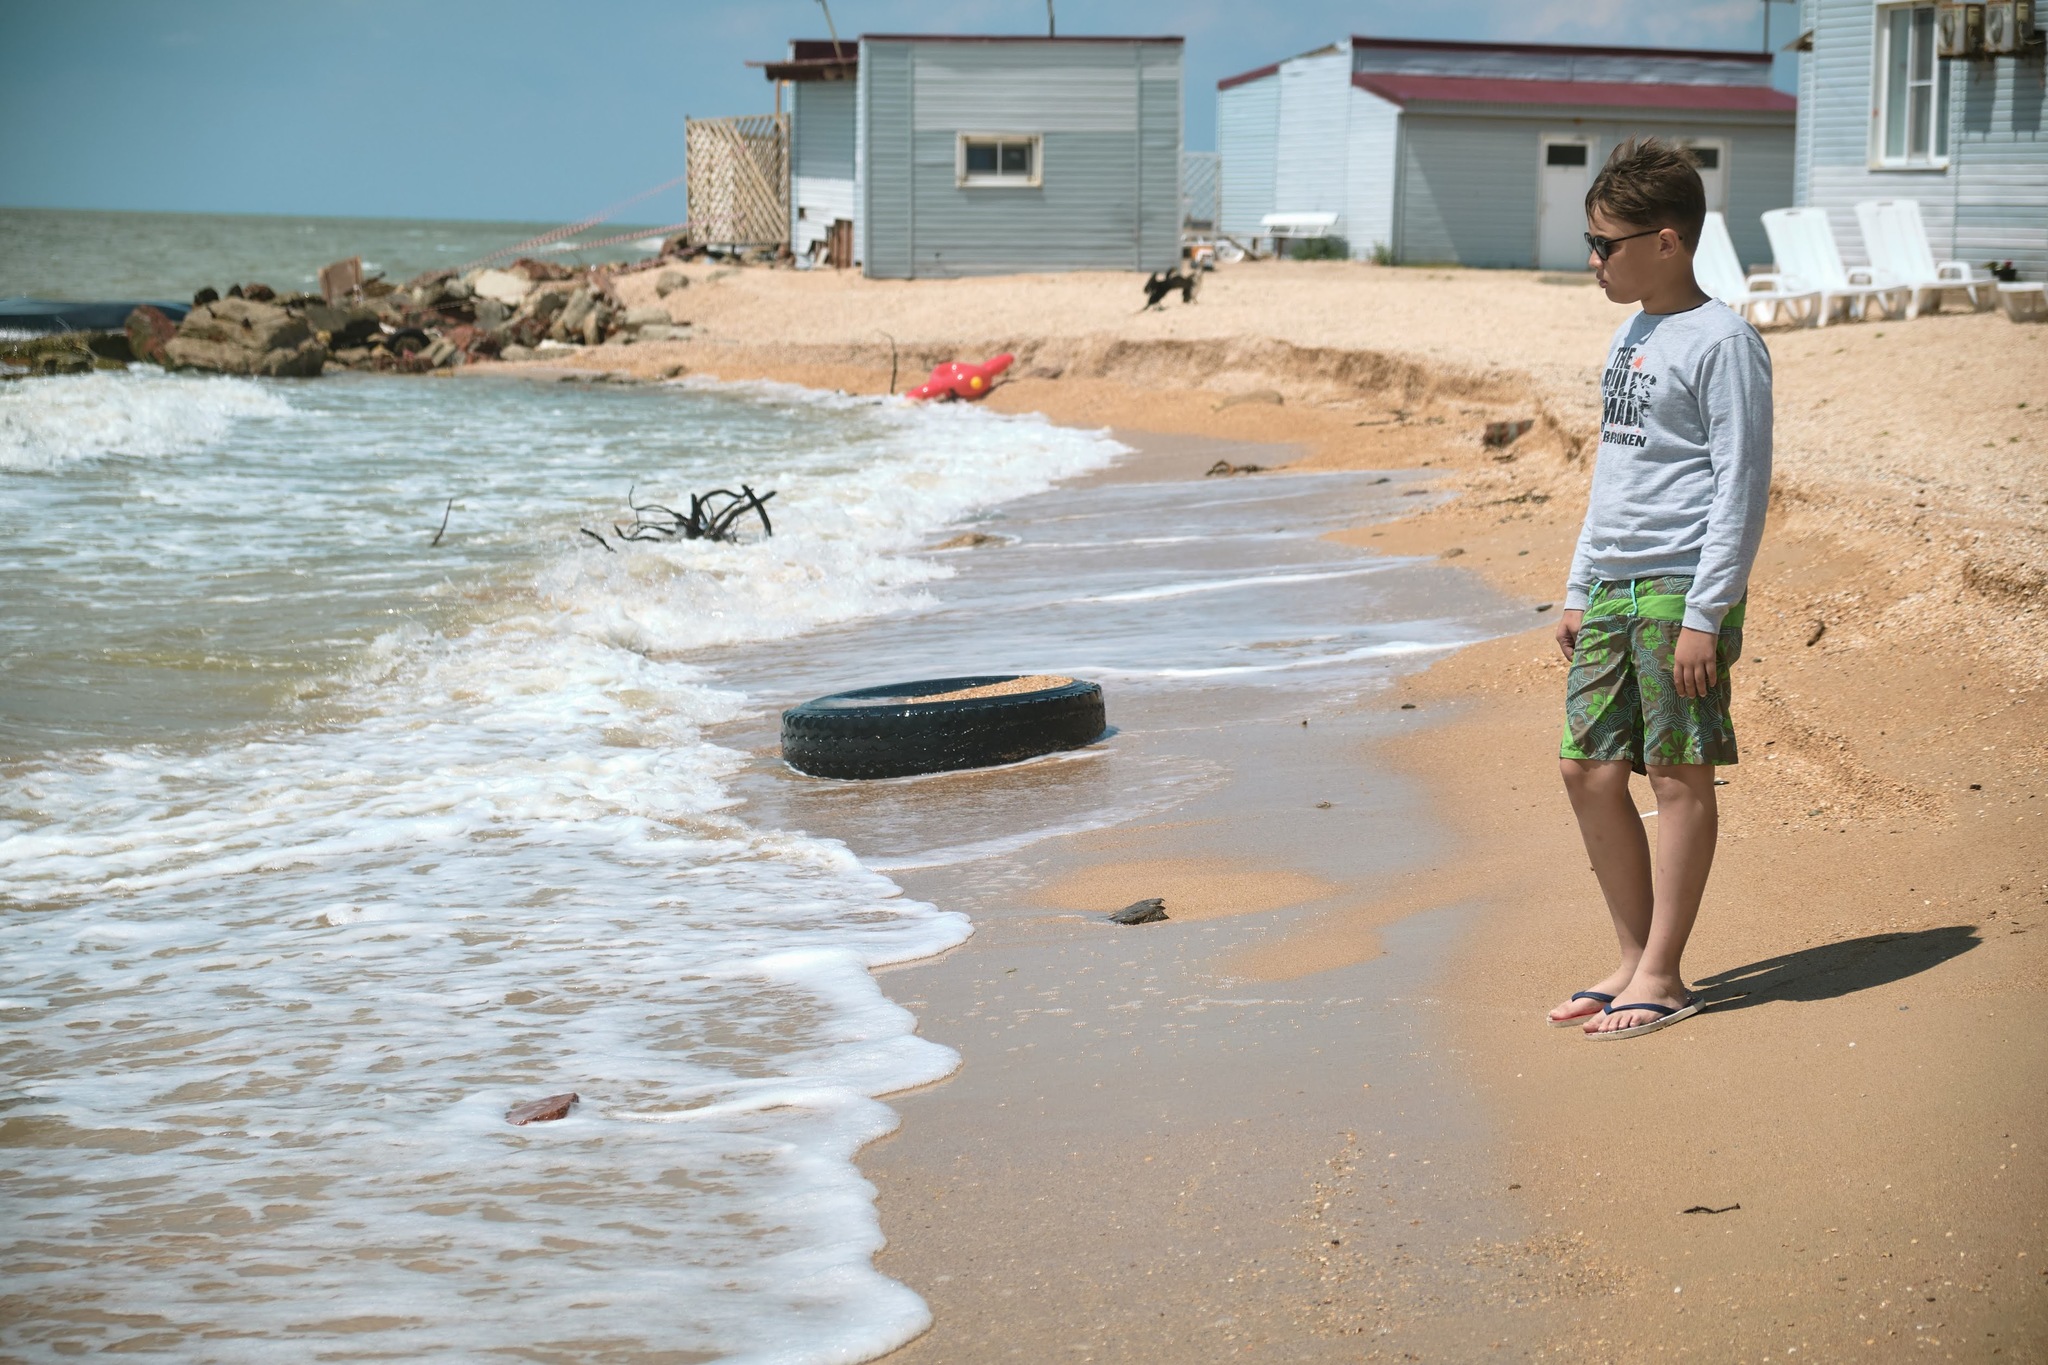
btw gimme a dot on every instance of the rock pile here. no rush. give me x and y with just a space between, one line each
434 320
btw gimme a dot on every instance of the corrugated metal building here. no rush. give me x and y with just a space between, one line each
1481 153
990 155
1882 117
1248 144
987 155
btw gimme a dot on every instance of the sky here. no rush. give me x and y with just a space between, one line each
525 110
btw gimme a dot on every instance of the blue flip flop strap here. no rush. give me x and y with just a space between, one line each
1659 1010
1594 995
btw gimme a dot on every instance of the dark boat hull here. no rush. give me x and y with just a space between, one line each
58 315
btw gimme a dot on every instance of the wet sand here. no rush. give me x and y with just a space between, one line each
1236 1134
1868 1088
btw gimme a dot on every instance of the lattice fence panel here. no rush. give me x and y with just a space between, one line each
738 179
1201 203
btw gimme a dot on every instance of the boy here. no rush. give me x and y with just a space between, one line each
1653 608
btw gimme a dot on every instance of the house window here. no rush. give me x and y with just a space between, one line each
1911 109
998 159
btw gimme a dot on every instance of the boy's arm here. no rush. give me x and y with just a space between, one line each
1578 584
1734 389
1578 589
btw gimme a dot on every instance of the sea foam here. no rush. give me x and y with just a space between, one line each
141 413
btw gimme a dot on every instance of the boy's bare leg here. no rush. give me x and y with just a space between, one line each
1620 854
1688 821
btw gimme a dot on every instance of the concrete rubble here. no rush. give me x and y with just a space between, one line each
433 321
245 336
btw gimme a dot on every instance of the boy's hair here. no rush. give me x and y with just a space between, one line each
1653 184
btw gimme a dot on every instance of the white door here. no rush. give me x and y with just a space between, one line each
1713 159
1563 176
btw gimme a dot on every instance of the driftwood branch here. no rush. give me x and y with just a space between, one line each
892 360
712 516
444 524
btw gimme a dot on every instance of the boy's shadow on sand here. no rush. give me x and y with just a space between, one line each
1836 969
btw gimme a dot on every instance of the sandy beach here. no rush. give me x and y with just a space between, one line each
1840 1159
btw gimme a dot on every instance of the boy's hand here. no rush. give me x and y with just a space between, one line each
1568 624
1692 663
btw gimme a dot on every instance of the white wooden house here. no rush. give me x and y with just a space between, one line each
1481 153
1883 116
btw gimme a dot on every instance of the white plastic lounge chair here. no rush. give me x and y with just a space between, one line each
1758 298
2026 301
1804 245
1297 226
1896 237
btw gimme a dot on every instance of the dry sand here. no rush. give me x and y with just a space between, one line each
1871 1086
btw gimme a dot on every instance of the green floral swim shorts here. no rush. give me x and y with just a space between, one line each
1620 699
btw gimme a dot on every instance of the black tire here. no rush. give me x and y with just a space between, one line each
885 732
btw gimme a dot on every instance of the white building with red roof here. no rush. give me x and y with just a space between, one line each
1481 153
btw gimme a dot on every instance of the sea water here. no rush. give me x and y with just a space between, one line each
96 254
350 794
322 845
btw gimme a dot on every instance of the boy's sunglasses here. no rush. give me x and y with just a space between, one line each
1603 247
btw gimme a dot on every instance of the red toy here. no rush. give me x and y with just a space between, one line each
955 380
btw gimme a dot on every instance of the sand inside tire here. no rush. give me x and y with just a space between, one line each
1037 682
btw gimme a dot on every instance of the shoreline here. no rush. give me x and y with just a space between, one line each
1585 1283
1906 1160
1614 1259
1162 1128
1907 1164
1080 1040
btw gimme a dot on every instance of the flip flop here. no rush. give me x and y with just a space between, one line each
1579 1020
1666 1016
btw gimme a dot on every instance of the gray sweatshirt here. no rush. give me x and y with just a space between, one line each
1684 469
